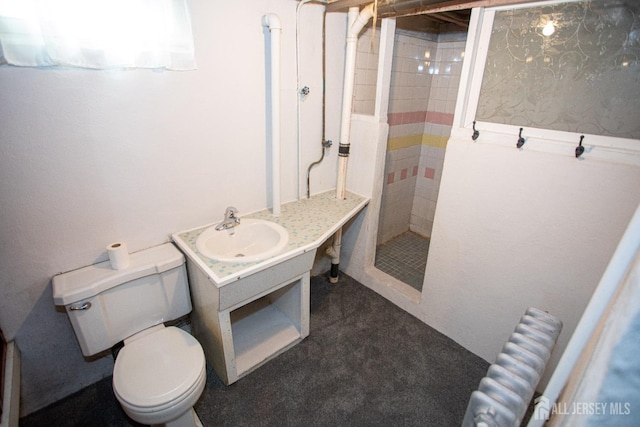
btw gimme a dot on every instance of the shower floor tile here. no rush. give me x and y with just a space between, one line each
405 258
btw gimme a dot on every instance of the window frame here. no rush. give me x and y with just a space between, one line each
60 34
624 150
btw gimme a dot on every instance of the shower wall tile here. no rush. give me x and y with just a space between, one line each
396 207
429 173
405 131
437 129
420 226
436 117
447 69
446 78
429 140
391 177
399 186
410 81
424 81
364 95
394 157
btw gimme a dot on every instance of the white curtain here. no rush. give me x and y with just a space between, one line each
97 33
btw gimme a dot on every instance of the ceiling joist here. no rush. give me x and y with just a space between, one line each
399 8
451 18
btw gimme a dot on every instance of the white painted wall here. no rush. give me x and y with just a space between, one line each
518 229
601 363
91 157
513 229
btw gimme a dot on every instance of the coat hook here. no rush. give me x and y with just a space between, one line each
476 133
580 148
520 142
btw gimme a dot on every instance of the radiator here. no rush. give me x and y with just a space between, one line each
504 393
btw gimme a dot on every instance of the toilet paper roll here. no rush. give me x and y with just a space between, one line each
118 255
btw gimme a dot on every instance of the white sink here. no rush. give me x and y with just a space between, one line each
251 240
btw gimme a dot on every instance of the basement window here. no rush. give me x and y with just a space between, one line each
97 34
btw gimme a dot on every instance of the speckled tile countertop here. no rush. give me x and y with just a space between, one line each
310 222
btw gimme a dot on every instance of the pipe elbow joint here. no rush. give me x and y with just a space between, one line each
332 252
271 21
361 20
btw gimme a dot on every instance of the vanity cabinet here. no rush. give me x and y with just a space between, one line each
246 323
246 313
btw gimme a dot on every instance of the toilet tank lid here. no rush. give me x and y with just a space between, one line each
89 281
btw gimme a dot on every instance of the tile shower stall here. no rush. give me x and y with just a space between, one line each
425 77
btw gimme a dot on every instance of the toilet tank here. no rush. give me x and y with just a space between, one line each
106 306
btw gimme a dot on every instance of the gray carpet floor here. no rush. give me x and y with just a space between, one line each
365 363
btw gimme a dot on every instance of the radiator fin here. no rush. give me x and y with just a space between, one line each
504 393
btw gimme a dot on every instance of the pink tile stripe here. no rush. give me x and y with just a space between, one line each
404 174
429 173
390 177
394 119
439 118
434 117
406 118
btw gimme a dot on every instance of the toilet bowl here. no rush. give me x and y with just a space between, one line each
159 375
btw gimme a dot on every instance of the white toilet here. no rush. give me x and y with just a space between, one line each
159 374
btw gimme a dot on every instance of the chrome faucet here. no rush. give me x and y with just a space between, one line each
230 219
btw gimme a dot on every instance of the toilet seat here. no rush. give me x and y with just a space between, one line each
159 370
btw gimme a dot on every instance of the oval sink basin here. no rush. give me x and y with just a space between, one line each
252 240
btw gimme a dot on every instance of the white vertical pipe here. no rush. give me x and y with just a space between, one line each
272 21
334 252
613 276
298 98
356 22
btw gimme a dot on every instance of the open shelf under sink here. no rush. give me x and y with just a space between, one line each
260 330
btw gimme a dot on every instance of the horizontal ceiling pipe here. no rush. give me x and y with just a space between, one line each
414 8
